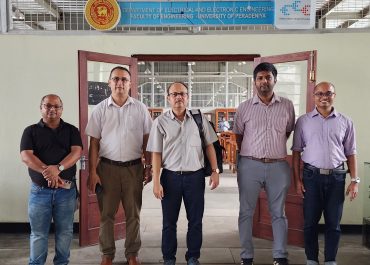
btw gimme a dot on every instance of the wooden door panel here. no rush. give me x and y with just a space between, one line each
89 210
294 203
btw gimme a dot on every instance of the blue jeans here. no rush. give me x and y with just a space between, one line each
190 188
324 194
44 205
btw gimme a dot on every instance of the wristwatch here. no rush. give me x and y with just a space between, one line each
147 166
60 167
216 170
356 179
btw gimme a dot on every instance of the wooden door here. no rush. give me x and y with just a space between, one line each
296 81
94 69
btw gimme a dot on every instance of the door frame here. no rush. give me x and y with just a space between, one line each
89 236
262 227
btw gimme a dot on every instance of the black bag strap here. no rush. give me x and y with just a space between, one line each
199 121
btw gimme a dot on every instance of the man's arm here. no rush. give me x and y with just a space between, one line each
297 172
291 121
352 189
148 161
239 140
93 178
32 161
214 180
69 161
157 163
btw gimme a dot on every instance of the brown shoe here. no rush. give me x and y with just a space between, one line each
106 260
133 261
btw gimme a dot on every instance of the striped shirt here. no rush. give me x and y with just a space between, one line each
325 142
120 129
264 127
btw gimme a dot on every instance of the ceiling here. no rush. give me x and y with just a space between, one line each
54 15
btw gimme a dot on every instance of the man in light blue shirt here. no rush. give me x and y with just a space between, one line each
324 139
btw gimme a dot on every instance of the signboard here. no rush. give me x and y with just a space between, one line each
295 14
197 13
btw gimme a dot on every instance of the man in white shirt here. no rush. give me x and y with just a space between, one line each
119 129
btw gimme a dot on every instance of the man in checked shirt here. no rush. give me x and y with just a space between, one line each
262 126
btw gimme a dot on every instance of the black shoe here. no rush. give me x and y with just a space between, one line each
193 261
246 262
169 262
280 261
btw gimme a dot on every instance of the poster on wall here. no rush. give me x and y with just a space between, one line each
295 14
97 92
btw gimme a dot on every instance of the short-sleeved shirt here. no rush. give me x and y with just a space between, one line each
179 142
324 142
120 129
51 146
264 127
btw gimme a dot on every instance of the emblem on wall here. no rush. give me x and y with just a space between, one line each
102 14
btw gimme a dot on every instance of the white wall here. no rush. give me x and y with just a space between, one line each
32 66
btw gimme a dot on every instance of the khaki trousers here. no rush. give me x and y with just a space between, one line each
120 184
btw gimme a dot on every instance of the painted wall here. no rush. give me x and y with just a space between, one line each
32 66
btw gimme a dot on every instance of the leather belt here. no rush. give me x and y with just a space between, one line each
322 171
266 160
44 184
183 172
120 163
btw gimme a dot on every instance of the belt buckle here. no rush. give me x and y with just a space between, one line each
324 171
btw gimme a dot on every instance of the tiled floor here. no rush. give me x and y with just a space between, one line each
220 242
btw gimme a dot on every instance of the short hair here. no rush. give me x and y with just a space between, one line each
268 67
322 83
50 95
176 82
119 68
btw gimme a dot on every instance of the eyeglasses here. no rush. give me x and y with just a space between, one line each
123 79
175 94
49 106
326 94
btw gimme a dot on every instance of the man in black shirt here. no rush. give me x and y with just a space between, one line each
51 149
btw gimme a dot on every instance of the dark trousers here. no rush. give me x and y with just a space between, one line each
176 187
324 194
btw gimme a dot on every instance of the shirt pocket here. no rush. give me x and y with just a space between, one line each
337 134
135 123
280 124
195 140
249 125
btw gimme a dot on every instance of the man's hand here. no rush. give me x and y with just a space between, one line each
214 180
158 190
147 175
92 180
51 175
50 172
299 188
352 190
56 183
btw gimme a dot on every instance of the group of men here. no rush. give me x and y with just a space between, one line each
122 135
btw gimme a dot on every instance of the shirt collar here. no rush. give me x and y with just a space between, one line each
314 113
187 114
42 124
256 99
128 101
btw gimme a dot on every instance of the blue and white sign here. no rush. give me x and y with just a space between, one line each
197 13
295 14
